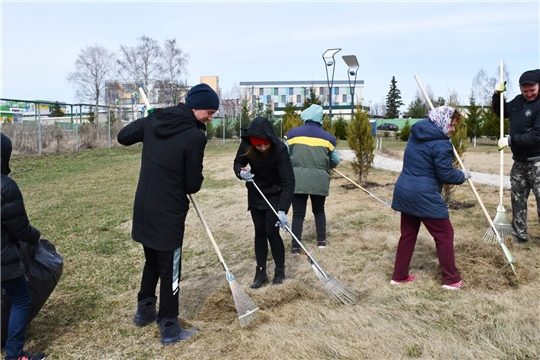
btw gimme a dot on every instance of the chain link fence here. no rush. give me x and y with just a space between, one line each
33 130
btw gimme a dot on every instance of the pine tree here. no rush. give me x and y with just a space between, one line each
458 138
417 109
393 100
360 139
290 119
474 119
57 111
312 99
406 131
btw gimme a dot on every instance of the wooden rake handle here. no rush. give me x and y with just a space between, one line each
505 249
208 232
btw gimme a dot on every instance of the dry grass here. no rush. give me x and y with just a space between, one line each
86 212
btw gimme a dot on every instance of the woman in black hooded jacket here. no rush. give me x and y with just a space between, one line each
16 228
271 169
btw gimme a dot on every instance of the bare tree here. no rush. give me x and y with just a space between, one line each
141 63
483 85
93 65
174 62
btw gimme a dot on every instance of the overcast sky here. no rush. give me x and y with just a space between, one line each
444 43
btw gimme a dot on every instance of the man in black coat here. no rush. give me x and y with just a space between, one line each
172 162
524 141
16 228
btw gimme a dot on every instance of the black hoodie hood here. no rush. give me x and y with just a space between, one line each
260 128
5 142
172 120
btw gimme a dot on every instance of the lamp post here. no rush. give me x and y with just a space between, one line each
328 57
352 63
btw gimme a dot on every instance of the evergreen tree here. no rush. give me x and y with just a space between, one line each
458 138
360 139
57 111
245 119
340 128
312 99
259 108
474 119
406 131
328 126
291 119
210 130
491 126
417 109
393 100
439 102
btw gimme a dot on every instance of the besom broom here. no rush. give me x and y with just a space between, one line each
245 307
335 288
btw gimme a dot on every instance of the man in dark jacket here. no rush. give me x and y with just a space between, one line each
171 167
524 140
16 228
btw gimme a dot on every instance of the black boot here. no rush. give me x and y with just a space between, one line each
260 278
171 331
279 276
146 312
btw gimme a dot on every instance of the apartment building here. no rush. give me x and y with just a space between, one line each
277 94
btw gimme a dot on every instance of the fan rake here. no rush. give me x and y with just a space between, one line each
334 287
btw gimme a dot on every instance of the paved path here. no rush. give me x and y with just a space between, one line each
381 162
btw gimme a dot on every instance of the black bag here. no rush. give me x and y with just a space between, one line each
42 274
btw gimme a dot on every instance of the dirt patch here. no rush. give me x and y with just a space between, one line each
458 205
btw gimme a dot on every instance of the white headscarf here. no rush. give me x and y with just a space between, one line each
442 117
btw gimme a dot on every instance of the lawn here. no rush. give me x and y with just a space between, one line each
82 202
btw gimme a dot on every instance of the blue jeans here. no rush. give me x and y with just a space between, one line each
19 294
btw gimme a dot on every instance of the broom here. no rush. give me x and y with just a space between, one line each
385 202
243 303
509 257
335 288
501 222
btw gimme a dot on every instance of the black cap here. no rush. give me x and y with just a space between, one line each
530 77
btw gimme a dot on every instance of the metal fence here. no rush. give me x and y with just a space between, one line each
39 133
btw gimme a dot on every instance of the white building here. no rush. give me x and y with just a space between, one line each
277 94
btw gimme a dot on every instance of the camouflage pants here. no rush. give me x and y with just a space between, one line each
524 177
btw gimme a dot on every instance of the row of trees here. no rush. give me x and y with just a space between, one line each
144 63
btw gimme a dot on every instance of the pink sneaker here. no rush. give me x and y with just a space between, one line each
409 279
455 286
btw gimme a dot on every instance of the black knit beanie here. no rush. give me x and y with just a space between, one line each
202 97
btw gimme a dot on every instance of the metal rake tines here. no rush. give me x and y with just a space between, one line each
245 307
340 291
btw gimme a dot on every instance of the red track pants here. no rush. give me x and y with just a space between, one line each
443 234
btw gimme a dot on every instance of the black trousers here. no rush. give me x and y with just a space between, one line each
266 232
167 266
299 213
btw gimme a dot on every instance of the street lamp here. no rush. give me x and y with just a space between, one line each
352 63
328 57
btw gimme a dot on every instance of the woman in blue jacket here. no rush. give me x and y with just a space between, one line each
427 165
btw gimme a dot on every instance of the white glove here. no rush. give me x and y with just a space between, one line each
283 221
245 174
503 142
467 173
500 87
